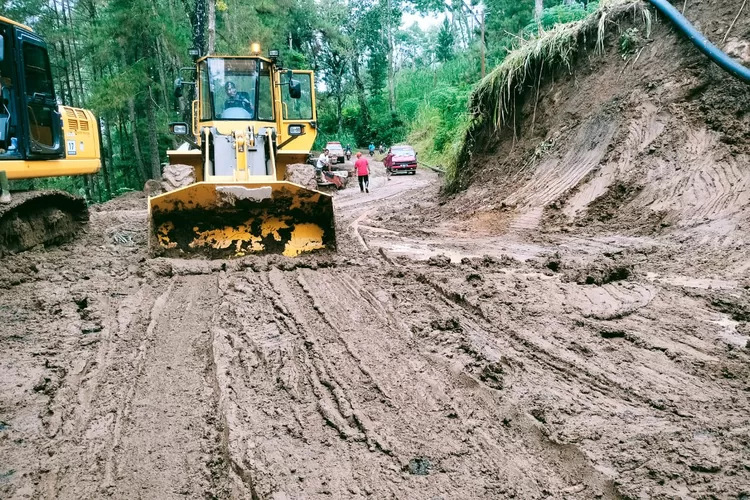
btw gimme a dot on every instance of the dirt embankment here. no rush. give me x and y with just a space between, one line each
650 138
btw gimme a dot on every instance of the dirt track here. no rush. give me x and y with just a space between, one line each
418 362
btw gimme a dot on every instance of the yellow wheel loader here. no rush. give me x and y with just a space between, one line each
38 138
250 122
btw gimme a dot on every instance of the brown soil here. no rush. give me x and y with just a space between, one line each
480 347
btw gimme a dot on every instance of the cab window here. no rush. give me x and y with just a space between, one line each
297 109
37 71
205 91
265 97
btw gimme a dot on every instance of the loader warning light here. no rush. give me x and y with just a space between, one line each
255 48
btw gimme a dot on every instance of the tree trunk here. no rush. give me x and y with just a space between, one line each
153 144
391 85
87 187
538 8
69 100
162 75
360 86
141 168
198 20
77 100
75 57
106 153
482 47
339 109
121 137
211 26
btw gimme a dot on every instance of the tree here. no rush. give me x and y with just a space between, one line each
445 41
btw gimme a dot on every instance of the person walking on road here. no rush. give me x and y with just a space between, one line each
362 168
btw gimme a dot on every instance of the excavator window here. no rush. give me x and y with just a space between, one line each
6 85
40 99
36 71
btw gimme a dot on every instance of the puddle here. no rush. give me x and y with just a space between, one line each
455 249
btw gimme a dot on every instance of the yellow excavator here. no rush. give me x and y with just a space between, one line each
251 122
38 138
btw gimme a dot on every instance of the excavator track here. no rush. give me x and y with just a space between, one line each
40 218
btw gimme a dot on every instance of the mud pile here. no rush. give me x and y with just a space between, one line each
649 138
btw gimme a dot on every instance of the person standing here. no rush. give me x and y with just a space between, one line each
362 168
388 162
322 164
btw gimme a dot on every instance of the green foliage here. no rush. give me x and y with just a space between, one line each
630 41
445 41
562 14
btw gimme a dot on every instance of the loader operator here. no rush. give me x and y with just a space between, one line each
237 99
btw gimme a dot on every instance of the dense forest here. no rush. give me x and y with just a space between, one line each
379 79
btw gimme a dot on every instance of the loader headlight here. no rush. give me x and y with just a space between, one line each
296 129
179 128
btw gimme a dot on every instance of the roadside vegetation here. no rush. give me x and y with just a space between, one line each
379 80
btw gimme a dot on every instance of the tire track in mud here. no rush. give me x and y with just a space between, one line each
140 409
638 367
602 304
364 402
554 177
163 432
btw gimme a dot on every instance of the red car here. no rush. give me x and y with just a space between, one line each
404 159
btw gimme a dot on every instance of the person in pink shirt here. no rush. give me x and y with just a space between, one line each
362 168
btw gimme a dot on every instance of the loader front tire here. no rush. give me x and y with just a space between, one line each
177 176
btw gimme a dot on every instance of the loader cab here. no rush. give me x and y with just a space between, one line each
30 123
250 118
235 89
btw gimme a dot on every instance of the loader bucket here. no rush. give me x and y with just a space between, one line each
224 220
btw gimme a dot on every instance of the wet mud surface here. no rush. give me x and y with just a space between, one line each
575 328
419 361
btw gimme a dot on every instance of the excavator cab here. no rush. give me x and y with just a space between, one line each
251 119
38 138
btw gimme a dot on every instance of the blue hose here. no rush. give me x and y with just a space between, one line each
701 42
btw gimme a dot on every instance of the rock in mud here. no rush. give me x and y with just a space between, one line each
302 174
446 325
600 272
439 261
492 375
419 466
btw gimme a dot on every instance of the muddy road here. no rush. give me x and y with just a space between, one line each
431 357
